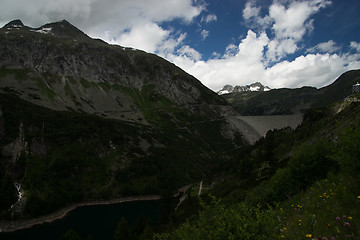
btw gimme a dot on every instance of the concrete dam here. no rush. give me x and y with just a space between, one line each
255 127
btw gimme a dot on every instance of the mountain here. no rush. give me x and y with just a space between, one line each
293 101
65 69
254 87
292 184
82 120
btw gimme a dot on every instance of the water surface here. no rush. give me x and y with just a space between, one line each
98 221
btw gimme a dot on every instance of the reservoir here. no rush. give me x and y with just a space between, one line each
99 221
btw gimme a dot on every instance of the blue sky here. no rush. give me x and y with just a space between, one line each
281 43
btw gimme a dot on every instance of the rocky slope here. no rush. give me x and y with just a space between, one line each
59 67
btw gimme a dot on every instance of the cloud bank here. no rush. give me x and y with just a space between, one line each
261 55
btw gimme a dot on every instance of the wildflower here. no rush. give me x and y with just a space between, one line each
344 216
308 235
324 238
332 238
358 197
282 236
337 218
346 224
349 218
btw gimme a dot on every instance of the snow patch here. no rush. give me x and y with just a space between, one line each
223 92
254 88
14 26
44 30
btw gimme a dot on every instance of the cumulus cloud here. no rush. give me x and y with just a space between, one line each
290 24
250 11
246 63
111 20
246 67
190 53
355 46
325 47
146 37
204 34
209 18
259 55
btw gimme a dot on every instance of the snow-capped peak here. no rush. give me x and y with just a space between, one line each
43 30
254 87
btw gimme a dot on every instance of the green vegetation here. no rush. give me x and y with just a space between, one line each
105 158
309 191
293 101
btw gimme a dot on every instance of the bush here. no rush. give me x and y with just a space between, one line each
307 165
219 222
348 152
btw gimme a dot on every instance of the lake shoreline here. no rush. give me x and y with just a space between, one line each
12 226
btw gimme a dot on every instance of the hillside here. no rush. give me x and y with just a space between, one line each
292 184
292 101
82 120
59 67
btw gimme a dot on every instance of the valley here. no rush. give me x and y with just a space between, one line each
86 123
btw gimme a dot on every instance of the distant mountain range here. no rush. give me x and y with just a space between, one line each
254 87
292 101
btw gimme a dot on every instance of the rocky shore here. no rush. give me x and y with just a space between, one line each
10 226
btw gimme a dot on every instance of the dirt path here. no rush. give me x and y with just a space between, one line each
10 226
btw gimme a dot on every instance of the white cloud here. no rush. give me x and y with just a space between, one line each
355 46
325 47
209 18
111 20
190 53
240 64
146 37
288 21
290 24
278 49
204 34
244 64
250 11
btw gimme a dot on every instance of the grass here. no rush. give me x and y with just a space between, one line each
330 209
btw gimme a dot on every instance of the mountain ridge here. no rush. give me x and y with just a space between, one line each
110 79
82 120
293 101
254 87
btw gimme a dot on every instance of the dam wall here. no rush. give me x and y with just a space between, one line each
255 127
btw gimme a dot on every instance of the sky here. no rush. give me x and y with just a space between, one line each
280 43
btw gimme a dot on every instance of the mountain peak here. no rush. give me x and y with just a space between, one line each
14 24
64 29
254 87
60 29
